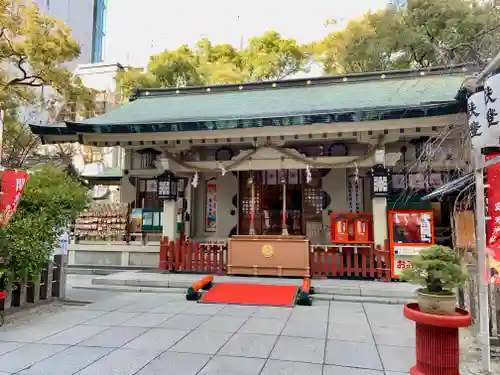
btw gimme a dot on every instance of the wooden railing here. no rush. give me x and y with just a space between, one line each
361 261
190 256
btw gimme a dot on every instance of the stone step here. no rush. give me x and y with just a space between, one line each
101 270
326 287
130 289
363 299
319 297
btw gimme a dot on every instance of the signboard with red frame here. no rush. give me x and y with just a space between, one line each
410 231
12 188
493 227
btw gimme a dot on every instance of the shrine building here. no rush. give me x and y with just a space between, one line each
296 164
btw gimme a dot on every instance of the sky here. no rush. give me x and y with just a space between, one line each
137 29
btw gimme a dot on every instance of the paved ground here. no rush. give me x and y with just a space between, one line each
148 334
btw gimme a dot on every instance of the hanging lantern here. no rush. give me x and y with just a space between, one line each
380 181
479 131
491 120
167 186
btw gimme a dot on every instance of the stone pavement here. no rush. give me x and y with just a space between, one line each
153 334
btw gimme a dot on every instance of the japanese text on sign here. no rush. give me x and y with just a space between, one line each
403 264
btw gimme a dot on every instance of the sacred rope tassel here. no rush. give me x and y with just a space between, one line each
308 174
194 183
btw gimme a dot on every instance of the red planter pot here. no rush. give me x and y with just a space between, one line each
437 349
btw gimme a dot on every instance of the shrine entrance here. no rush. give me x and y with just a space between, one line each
268 201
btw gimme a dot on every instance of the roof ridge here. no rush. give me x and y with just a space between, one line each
312 81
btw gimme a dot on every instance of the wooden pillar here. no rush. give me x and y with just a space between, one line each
33 294
379 207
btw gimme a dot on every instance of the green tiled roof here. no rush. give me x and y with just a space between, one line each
351 98
279 102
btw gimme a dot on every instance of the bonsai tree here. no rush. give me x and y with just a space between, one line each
437 268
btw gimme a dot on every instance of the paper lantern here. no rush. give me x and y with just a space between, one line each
478 128
491 96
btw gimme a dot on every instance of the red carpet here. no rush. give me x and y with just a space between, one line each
251 294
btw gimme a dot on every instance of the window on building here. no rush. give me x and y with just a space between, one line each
99 30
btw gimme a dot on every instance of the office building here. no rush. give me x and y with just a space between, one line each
398 4
87 21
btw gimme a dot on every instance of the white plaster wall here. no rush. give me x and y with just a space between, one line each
199 194
335 184
227 187
128 192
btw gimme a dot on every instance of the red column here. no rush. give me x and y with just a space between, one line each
437 341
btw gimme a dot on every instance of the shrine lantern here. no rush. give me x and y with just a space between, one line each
380 181
340 229
362 229
167 186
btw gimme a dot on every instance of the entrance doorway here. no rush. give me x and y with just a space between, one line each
269 202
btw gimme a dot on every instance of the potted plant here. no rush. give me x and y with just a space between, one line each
437 268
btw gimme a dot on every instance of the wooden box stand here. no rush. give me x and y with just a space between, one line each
268 256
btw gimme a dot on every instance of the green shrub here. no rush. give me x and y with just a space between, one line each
50 202
437 268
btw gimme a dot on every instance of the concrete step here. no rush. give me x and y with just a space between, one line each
101 270
363 299
319 297
131 289
326 287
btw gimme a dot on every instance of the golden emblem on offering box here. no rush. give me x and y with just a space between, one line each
267 251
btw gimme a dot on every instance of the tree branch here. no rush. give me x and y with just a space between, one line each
26 79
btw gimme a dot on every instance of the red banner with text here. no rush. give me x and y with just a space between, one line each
493 226
12 188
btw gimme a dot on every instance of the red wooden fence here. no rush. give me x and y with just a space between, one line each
187 256
356 261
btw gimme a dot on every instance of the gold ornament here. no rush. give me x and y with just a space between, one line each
267 251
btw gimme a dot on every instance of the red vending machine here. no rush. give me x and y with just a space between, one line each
362 229
410 231
340 228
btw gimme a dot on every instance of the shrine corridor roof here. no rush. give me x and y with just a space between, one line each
344 98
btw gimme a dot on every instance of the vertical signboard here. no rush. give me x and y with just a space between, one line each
12 188
211 206
493 228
